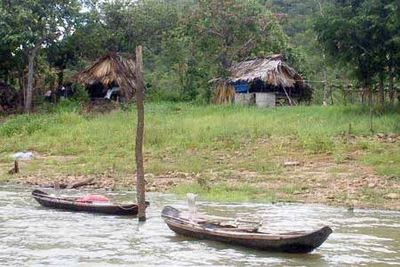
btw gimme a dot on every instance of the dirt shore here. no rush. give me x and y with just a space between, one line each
315 179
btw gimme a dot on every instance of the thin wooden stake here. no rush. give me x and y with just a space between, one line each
371 111
288 97
15 169
140 184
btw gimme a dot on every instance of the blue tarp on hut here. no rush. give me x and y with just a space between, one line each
241 87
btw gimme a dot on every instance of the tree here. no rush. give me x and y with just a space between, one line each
85 42
364 34
229 29
393 45
351 36
145 22
59 55
159 27
375 15
31 25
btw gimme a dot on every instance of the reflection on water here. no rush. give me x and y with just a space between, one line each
32 235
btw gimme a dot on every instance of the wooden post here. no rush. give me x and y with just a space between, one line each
325 88
371 110
367 83
291 103
140 184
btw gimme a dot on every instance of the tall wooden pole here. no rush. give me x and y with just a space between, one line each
325 88
140 184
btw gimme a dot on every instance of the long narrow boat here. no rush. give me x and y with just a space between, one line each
293 242
81 204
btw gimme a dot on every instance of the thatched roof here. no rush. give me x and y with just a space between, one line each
110 68
270 69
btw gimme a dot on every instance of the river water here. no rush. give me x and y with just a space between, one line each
31 235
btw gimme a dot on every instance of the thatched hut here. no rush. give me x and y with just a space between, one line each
111 75
263 81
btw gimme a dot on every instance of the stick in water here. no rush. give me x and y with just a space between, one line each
57 188
192 204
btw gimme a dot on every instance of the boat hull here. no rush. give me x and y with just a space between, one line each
295 242
60 203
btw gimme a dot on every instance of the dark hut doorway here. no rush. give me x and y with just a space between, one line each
97 90
100 91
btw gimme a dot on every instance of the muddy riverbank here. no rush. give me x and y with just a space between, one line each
312 180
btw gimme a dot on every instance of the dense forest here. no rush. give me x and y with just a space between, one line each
346 50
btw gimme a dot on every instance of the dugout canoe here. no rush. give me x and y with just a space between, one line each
292 242
75 204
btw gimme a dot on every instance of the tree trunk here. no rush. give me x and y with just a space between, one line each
226 62
140 184
371 108
325 89
391 85
364 92
22 88
29 84
381 89
60 78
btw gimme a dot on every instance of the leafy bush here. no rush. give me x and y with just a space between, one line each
161 95
81 95
63 105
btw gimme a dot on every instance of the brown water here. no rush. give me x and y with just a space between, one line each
31 235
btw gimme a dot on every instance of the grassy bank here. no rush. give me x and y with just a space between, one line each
202 141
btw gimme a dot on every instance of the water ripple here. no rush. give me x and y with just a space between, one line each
35 236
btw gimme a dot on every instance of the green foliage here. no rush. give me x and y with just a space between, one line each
186 43
64 105
80 93
230 30
162 95
144 22
27 26
360 33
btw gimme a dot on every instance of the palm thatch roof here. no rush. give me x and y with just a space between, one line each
272 70
263 74
110 68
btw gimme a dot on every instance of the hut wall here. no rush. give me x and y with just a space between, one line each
246 98
265 99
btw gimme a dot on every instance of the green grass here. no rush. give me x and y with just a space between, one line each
240 193
385 157
221 191
189 138
239 190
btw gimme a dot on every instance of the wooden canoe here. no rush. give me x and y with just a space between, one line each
292 242
71 203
